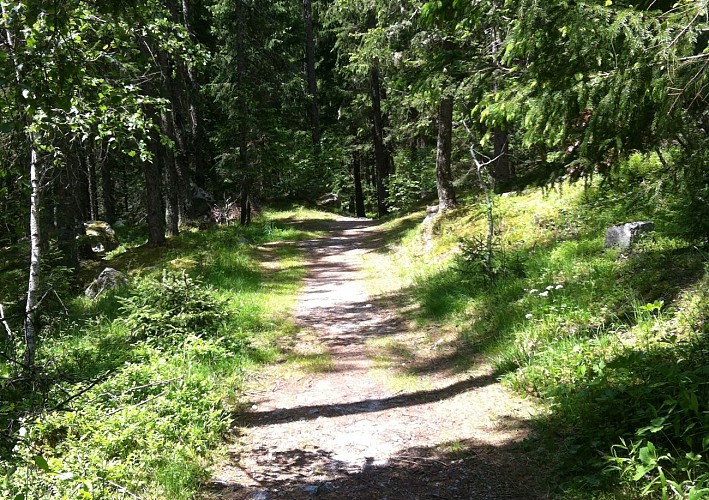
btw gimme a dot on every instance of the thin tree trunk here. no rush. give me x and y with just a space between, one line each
310 74
504 174
245 205
81 186
108 191
359 195
91 177
126 202
67 217
444 181
172 200
154 204
381 155
243 125
30 326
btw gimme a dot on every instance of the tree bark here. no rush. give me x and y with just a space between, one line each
81 186
444 181
67 221
108 191
359 195
503 172
154 204
243 132
91 178
172 199
310 74
30 326
381 154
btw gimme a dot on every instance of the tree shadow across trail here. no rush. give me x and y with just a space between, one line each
345 432
312 412
456 470
329 225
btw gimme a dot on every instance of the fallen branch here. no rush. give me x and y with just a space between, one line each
137 388
122 489
136 405
71 398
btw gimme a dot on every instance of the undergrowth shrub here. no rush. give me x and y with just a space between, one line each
413 180
173 305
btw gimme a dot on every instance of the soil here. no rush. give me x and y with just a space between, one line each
347 431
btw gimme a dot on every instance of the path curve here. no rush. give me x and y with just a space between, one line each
346 434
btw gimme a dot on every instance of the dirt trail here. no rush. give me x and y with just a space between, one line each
346 434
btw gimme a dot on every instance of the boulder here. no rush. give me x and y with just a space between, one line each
109 279
99 237
202 201
624 235
329 200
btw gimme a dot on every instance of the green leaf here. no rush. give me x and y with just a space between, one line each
640 473
40 462
648 455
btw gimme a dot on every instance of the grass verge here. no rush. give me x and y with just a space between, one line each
136 388
613 343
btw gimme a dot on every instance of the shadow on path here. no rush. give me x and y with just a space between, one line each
469 470
281 415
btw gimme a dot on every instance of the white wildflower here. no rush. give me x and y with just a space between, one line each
529 315
550 287
559 287
544 294
533 290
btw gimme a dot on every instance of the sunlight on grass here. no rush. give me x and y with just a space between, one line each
565 320
157 365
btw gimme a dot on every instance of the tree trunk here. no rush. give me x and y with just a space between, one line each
172 199
245 204
243 133
310 74
444 181
81 186
126 202
503 172
68 219
359 195
30 326
108 190
154 204
381 155
91 178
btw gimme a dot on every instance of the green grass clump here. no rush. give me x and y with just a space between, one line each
137 387
613 343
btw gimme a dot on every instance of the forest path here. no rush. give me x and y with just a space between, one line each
341 430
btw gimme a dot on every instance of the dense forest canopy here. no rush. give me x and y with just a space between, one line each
132 106
179 114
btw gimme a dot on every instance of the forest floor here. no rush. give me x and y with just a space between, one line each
341 424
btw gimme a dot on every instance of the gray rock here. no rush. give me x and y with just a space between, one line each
109 279
625 235
329 200
98 237
202 201
258 495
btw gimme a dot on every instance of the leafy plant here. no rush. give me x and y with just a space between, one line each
173 305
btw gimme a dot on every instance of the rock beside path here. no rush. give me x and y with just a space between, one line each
624 235
109 279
